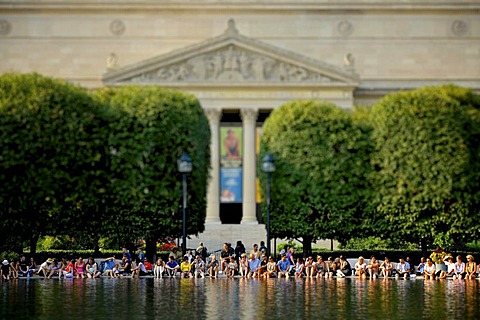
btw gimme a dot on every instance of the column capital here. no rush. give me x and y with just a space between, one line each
213 114
249 115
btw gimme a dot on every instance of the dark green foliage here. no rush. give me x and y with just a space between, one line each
90 167
322 155
153 128
50 156
426 160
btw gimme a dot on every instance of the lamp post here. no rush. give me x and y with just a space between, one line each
268 166
184 165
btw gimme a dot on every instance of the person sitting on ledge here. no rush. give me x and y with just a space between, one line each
386 268
159 268
321 267
332 267
345 269
373 267
232 267
109 265
45 268
213 267
253 266
459 269
309 267
5 270
171 266
185 268
139 270
271 269
470 268
299 268
24 269
449 267
430 270
421 266
403 269
283 266
243 265
91 268
148 266
361 268
199 267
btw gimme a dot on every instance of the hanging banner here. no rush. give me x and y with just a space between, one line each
231 173
230 185
258 138
231 148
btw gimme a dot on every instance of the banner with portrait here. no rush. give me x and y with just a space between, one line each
231 172
231 185
231 147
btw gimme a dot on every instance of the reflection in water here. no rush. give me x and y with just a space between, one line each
239 299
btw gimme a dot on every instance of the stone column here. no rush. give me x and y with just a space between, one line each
213 196
249 119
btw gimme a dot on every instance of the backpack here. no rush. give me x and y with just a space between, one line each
204 253
101 266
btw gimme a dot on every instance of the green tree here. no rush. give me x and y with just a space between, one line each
427 164
51 150
322 156
153 128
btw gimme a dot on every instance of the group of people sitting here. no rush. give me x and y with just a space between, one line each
66 268
236 262
427 269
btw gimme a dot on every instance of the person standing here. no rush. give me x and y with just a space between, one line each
239 249
141 254
255 251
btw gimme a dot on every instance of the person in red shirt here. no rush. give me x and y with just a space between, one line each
148 265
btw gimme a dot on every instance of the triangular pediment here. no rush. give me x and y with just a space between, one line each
231 59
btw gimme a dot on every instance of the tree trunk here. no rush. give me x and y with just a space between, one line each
423 244
307 245
96 250
151 249
33 244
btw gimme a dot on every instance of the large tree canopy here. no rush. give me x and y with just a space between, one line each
426 160
154 127
51 152
105 165
322 158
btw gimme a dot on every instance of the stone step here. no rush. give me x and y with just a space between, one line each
215 235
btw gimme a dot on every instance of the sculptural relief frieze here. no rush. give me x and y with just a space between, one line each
231 64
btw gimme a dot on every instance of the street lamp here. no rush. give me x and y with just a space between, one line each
268 166
184 165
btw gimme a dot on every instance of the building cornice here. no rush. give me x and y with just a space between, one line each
343 6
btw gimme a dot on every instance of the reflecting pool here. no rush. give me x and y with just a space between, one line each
239 299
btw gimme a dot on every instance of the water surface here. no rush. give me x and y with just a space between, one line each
239 299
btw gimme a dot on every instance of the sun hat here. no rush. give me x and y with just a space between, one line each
49 260
5 262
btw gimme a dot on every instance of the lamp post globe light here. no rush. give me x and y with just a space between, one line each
268 166
184 165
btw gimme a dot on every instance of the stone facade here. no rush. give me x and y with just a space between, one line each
247 57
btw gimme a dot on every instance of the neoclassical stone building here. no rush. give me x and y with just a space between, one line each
243 58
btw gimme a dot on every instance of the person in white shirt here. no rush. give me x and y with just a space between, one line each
139 270
403 269
459 269
199 266
361 268
429 270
